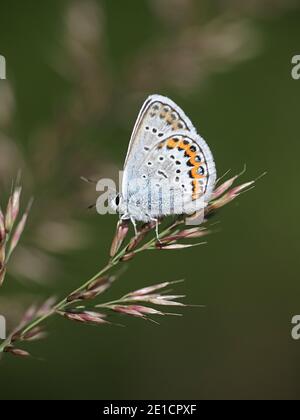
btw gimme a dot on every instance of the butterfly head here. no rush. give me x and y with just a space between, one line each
114 201
117 204
132 208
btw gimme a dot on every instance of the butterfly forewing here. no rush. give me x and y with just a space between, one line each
159 116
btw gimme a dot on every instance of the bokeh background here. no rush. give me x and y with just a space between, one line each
77 73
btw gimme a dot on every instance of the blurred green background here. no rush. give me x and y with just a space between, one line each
77 73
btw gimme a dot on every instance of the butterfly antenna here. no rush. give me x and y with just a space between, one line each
91 206
88 180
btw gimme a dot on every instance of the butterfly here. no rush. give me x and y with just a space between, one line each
169 169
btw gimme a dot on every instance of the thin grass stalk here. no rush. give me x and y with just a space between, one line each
63 304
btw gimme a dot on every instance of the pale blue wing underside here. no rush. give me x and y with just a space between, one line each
161 119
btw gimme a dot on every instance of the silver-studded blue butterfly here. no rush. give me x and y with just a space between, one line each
169 169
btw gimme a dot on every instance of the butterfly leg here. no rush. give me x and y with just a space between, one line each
134 226
156 229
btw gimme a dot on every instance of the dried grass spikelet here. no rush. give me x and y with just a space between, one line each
97 287
85 317
121 232
11 229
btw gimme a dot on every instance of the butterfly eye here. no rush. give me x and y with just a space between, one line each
117 200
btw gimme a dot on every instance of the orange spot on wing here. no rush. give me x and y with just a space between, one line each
172 143
183 146
192 155
189 152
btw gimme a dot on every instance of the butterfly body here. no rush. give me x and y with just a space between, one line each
169 168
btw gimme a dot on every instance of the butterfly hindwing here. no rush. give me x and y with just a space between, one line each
177 170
